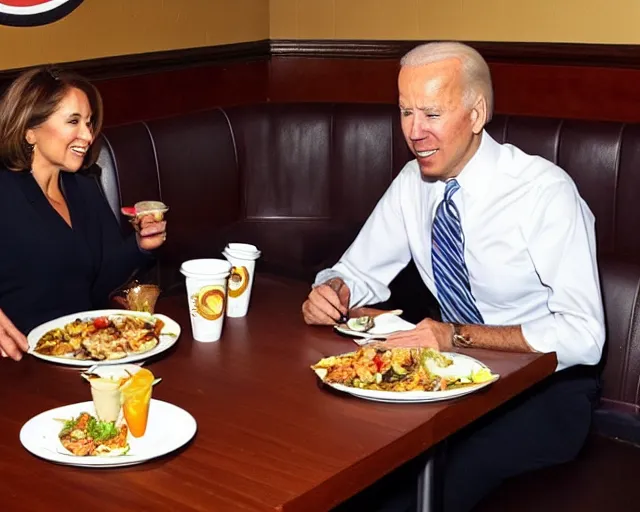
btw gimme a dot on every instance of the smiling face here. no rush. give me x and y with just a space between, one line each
442 130
62 141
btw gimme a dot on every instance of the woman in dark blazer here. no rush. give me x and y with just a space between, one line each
61 250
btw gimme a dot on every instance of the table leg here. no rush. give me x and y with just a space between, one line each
425 486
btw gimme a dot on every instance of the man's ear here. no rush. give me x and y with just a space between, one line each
479 114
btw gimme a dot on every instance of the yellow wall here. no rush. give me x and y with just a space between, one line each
578 21
102 28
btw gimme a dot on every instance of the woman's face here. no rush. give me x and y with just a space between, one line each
62 141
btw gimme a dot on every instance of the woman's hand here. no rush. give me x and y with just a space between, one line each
12 342
151 233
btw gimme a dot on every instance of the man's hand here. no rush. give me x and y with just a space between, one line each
151 233
326 303
428 333
12 341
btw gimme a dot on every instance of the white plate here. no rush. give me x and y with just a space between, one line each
462 365
383 325
168 428
168 337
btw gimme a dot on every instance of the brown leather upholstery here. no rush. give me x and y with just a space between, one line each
298 180
603 159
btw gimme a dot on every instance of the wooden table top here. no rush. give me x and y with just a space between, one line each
270 437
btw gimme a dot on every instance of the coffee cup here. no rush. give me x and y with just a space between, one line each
243 260
206 281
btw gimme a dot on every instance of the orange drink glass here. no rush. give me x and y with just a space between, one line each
136 396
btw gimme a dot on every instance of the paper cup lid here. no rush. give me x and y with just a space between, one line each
251 256
206 267
242 247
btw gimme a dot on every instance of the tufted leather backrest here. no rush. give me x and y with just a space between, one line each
298 180
603 159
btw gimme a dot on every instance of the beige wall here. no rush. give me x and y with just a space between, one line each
579 21
102 28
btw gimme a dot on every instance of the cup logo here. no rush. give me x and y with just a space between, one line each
26 13
238 281
209 302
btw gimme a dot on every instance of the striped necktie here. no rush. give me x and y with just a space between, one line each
449 269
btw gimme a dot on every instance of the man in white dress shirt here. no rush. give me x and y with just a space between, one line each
505 243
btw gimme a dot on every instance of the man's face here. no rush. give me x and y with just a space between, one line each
440 129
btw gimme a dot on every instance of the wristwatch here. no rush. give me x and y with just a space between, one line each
458 339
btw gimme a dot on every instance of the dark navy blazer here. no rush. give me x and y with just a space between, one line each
48 269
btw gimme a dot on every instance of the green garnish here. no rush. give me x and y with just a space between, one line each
101 430
68 427
97 430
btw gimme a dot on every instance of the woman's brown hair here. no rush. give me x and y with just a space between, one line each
29 101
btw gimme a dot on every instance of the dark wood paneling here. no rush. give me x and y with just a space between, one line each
333 79
155 95
367 74
160 84
155 62
577 92
545 79
577 54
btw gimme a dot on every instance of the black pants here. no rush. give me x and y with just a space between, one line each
546 425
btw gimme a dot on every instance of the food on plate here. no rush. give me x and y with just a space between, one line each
377 367
238 281
136 397
361 323
112 337
86 435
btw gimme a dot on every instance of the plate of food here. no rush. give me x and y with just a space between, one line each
108 336
73 435
375 326
403 375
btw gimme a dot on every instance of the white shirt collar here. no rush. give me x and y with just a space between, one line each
478 174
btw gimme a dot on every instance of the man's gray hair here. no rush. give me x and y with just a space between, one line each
474 68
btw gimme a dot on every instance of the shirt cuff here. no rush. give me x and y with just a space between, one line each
324 276
540 334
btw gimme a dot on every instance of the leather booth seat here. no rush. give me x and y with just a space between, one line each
298 180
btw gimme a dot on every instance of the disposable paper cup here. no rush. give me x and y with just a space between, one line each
240 281
206 281
246 251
